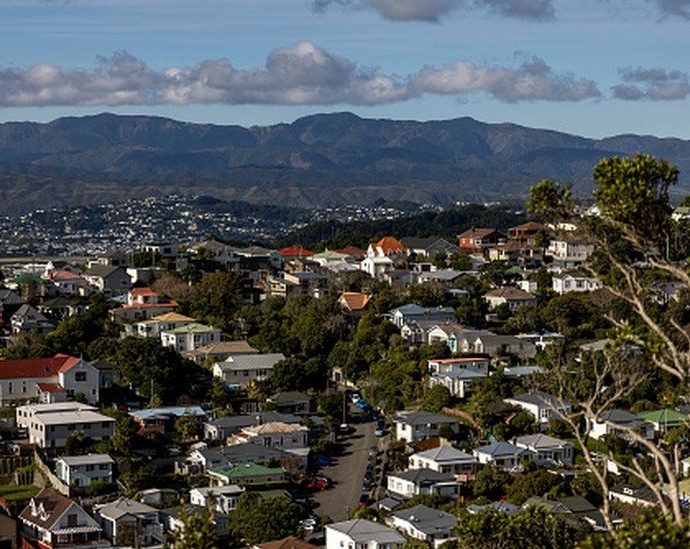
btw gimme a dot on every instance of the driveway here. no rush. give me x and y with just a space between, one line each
347 472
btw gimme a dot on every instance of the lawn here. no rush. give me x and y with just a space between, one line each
22 491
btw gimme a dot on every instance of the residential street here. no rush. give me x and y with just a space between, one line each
347 472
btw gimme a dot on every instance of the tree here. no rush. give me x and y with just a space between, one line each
293 374
196 532
189 426
490 482
217 297
650 530
638 247
435 398
257 519
125 434
534 483
77 444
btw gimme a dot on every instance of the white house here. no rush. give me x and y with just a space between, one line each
223 499
126 521
444 459
407 313
53 425
245 369
569 254
273 435
362 534
415 482
503 455
47 378
81 471
53 520
543 406
546 450
425 524
414 426
562 284
190 337
376 267
160 323
616 422
514 298
458 382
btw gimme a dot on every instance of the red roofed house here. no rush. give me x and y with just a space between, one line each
355 303
352 251
386 247
476 239
294 252
142 304
48 379
526 232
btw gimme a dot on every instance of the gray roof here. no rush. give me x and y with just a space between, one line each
103 271
498 449
264 361
541 399
231 422
539 441
243 453
229 490
424 476
413 309
361 530
621 417
423 418
89 459
427 520
461 374
502 506
445 454
123 506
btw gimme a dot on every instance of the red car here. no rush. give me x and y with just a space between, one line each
319 484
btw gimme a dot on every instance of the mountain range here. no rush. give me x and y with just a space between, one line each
324 159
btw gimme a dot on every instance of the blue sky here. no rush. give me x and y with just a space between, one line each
592 67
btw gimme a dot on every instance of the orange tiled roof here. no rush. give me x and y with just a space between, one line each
36 367
355 301
295 251
390 245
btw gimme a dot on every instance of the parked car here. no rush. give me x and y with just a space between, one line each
364 500
319 483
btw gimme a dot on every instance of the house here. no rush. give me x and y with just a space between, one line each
190 337
429 247
425 524
376 267
289 542
386 247
329 257
108 279
62 307
81 471
571 506
296 283
665 419
153 327
616 422
446 332
360 534
416 332
632 495
415 482
29 319
414 426
127 522
294 252
526 232
274 435
411 312
488 343
25 414
163 418
66 282
458 382
517 252
290 402
503 455
477 239
53 520
223 427
444 459
541 340
568 255
444 365
546 450
240 371
51 428
223 499
500 506
49 379
564 283
514 298
542 406
205 458
355 303
172 518
142 304
165 250
219 351
244 474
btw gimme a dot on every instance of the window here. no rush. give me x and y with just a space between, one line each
87 426
72 519
105 424
80 376
11 387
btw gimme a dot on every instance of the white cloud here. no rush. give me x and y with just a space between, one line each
654 84
302 74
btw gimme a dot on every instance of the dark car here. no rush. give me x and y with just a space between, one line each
364 500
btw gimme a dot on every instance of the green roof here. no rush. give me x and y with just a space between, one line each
242 470
330 255
666 416
194 328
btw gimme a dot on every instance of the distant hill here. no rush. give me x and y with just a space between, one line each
324 159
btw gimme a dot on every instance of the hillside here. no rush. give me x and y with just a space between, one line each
322 159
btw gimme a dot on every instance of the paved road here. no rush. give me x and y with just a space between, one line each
347 472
